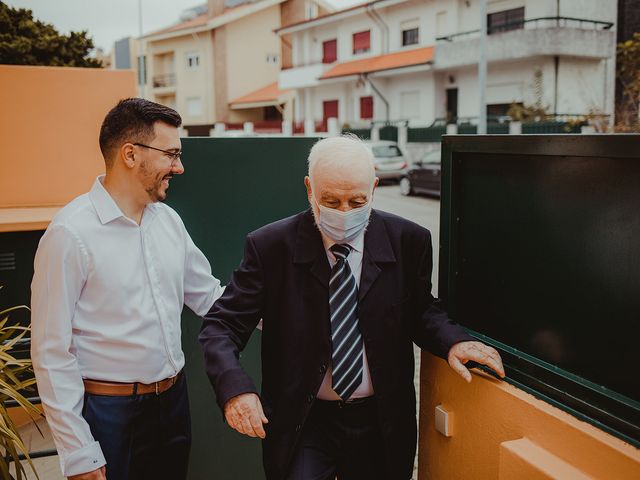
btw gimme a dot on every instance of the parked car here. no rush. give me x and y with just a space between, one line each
389 160
423 177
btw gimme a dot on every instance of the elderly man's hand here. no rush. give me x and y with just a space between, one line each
463 352
99 474
244 414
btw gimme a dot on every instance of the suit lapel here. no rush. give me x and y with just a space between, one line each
309 249
377 249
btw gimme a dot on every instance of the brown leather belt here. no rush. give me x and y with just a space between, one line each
113 389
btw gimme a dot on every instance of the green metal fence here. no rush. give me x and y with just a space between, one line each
550 127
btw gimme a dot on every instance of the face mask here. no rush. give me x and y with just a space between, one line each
343 226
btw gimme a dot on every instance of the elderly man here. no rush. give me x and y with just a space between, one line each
112 273
343 291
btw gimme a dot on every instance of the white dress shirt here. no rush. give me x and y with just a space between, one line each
365 389
107 295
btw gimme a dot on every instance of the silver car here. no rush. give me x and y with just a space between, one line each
389 160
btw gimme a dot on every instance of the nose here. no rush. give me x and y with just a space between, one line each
177 168
345 207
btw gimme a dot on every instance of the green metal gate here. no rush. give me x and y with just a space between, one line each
231 187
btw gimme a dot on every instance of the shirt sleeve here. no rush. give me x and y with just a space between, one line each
201 288
60 272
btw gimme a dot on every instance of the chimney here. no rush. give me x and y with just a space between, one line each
216 7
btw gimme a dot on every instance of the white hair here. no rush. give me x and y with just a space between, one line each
341 153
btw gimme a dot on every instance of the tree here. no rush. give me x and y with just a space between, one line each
26 41
628 74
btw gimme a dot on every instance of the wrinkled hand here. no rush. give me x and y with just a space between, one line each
99 474
463 352
244 414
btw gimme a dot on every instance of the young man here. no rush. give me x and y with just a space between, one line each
112 273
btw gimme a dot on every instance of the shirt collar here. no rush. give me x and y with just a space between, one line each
105 206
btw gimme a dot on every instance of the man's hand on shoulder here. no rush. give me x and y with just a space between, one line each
463 352
99 474
244 414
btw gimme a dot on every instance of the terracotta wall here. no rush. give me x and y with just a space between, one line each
49 123
502 433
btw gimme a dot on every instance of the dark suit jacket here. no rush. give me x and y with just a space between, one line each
284 280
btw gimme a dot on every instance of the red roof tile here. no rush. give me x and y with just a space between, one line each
408 58
270 93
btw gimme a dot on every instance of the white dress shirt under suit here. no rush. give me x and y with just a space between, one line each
107 295
355 264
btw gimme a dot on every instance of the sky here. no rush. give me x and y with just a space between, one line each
111 20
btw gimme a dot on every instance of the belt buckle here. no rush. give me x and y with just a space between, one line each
156 385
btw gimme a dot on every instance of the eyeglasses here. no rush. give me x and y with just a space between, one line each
174 156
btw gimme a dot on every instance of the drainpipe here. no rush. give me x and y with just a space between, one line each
366 78
384 28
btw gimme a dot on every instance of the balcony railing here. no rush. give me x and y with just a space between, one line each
164 80
541 22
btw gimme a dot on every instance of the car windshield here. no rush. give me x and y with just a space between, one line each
386 151
431 157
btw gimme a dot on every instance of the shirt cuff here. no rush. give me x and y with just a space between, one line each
86 459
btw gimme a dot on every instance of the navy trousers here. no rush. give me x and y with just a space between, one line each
340 441
143 437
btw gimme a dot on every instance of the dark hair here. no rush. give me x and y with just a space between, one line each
133 119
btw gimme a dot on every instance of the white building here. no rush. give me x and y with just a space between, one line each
417 60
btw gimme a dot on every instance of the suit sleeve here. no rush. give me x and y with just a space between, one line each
228 326
432 329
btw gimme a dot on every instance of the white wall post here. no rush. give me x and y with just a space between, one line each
515 128
332 127
287 128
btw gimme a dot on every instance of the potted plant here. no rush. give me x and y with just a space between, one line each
16 376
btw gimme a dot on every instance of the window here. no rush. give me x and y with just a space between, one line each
194 106
410 37
193 60
361 42
329 109
330 51
366 108
505 20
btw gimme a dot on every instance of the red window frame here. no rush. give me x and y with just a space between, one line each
361 42
330 51
366 108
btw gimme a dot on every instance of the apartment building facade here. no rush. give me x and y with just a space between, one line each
417 60
220 63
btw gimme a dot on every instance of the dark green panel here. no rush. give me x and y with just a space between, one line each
541 256
17 250
231 187
389 132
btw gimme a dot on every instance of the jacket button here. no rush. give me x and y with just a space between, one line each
310 398
298 427
323 368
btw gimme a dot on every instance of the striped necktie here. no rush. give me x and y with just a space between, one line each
345 333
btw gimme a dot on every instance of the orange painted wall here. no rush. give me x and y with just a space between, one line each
49 123
502 433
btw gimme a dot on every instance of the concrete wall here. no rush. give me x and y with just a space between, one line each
249 41
49 128
502 433
170 56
